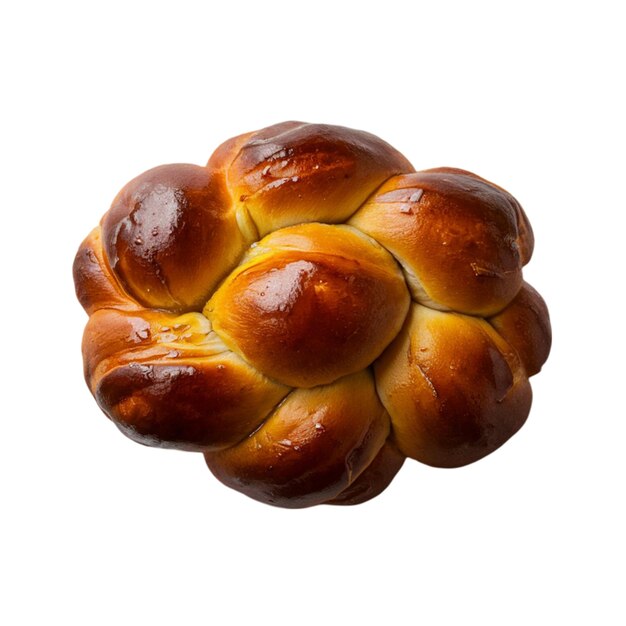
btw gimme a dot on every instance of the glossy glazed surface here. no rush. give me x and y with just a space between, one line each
454 388
286 174
311 448
307 311
154 223
461 240
307 314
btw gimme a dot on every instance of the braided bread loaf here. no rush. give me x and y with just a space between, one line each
307 311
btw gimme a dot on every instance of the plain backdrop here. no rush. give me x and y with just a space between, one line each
99 530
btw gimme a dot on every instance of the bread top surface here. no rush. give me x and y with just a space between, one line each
312 257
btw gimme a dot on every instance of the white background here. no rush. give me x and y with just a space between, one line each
99 530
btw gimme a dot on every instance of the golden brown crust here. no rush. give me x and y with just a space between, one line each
456 235
525 324
312 303
96 286
526 239
455 390
295 172
233 312
171 235
312 447
375 478
196 405
168 381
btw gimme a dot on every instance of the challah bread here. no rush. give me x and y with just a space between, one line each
307 311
